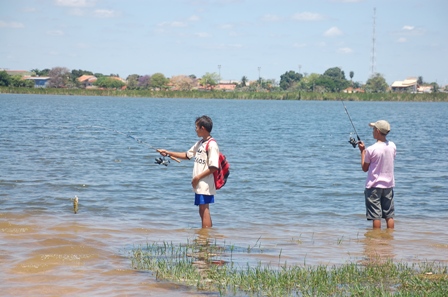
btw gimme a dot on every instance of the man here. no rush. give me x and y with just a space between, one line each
378 160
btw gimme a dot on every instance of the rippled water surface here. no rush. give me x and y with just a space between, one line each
295 189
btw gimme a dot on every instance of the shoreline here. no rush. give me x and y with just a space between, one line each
307 96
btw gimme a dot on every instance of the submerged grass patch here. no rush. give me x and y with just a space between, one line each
200 264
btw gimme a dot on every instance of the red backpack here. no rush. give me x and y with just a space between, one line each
223 171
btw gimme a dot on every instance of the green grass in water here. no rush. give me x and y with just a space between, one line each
199 264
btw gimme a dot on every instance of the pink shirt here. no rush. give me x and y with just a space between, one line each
381 157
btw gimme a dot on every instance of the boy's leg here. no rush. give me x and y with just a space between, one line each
376 224
390 223
373 206
387 205
204 212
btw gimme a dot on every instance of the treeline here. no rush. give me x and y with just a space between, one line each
215 94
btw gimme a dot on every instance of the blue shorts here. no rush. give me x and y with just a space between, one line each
203 199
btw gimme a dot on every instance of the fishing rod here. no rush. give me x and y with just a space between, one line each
160 160
352 141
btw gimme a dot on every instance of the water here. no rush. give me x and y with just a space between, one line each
295 191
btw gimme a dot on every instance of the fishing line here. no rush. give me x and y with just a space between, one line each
160 160
352 141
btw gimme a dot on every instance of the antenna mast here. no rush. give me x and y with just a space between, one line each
373 42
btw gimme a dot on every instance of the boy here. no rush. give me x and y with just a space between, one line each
378 160
206 162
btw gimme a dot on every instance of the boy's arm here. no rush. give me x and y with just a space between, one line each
197 178
180 155
365 166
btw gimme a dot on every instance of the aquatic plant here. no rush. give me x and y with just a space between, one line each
200 264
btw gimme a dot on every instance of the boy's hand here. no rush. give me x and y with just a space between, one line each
163 152
361 146
195 182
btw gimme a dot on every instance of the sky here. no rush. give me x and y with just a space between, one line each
233 38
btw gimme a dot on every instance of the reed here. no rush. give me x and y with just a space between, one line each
244 95
201 265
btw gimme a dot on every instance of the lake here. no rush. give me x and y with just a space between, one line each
295 192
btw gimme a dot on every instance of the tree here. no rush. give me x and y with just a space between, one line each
20 82
376 84
5 79
309 82
144 82
182 82
420 80
158 81
132 81
209 80
43 72
59 77
289 79
337 76
109 82
351 75
244 81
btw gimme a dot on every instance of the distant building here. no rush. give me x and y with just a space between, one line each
409 85
425 89
351 90
87 80
18 72
227 85
39 81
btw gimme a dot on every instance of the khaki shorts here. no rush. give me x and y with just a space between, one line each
379 203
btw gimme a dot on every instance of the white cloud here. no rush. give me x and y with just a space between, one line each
345 50
202 34
105 13
227 26
299 45
55 33
77 12
13 25
402 40
333 32
408 28
82 45
271 18
175 24
194 18
75 3
307 16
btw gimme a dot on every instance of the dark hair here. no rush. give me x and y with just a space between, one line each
206 122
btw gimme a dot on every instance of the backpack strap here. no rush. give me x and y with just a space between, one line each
206 146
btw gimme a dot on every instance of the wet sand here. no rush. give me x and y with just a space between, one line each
76 257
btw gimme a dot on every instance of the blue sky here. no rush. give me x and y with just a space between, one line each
245 37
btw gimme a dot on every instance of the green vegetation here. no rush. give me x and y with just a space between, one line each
277 95
199 265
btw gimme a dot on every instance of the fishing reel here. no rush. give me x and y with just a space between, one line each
353 142
162 161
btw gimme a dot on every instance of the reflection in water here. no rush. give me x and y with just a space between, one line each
206 251
378 245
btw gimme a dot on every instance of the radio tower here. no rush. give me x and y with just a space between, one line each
373 42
